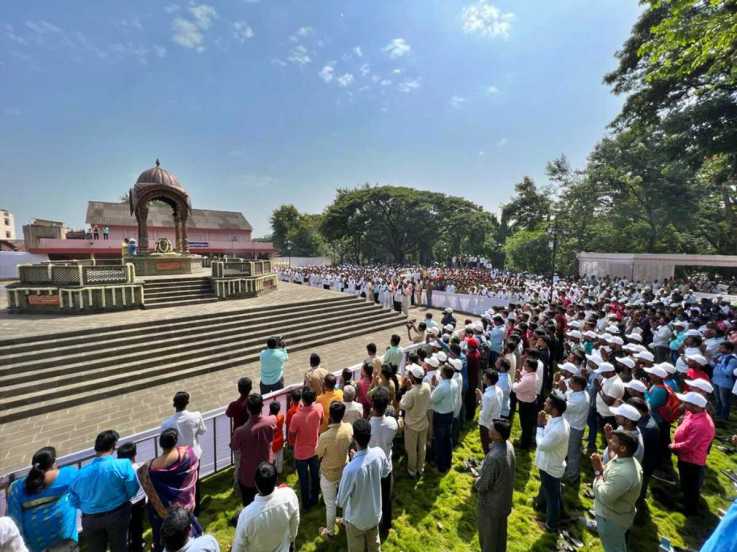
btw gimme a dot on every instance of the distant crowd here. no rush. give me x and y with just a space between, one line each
633 379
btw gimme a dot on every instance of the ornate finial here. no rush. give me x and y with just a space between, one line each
157 162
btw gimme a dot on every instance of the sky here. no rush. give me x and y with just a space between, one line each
257 103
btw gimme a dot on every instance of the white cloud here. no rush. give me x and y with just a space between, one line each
486 19
12 35
456 102
397 48
385 82
357 50
242 31
501 143
299 55
491 90
375 77
279 62
302 32
409 85
203 15
365 70
327 73
42 27
482 153
160 51
396 71
187 34
171 8
344 80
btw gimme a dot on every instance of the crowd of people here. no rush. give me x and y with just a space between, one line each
622 376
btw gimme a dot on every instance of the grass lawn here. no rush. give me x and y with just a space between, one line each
439 513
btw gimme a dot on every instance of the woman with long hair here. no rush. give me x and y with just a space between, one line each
169 480
39 503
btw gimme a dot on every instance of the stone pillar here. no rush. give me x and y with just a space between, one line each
142 216
177 232
183 231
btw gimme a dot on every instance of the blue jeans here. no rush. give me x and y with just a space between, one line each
309 480
269 388
723 397
573 458
613 536
549 498
443 442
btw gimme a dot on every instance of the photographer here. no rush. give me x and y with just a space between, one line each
273 359
420 331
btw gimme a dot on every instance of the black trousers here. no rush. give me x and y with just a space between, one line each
108 529
692 478
387 486
527 420
135 529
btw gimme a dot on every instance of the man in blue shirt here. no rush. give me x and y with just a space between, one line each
273 359
723 379
102 491
496 339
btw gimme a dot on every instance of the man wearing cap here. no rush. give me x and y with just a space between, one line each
415 403
725 368
577 411
457 365
626 417
448 317
550 457
616 489
609 390
495 486
661 339
696 367
691 442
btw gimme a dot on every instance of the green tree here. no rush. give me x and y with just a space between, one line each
300 230
529 251
528 209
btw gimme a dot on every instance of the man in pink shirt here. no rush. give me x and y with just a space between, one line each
691 443
525 388
304 431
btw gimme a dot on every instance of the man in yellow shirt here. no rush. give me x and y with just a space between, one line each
328 395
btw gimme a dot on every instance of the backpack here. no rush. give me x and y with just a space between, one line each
670 410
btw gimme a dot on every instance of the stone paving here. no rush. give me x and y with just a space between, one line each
22 325
75 428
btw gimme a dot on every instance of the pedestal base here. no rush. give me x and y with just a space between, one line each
160 265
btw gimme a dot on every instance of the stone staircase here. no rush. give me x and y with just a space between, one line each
50 372
175 292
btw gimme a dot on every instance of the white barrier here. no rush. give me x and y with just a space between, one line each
473 304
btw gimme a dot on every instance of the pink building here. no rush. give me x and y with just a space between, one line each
208 232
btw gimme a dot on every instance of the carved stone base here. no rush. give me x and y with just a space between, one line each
160 265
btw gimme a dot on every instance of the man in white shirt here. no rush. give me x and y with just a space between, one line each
491 407
353 408
383 430
576 414
552 446
359 492
176 531
190 425
271 521
608 390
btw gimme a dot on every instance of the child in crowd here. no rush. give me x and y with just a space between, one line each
277 445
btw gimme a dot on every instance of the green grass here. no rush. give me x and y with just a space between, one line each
438 513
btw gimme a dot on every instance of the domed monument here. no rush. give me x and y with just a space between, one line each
157 184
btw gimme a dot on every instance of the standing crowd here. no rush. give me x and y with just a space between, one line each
637 374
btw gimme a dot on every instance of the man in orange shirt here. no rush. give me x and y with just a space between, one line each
304 430
328 395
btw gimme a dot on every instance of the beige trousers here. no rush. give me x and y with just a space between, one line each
415 445
362 541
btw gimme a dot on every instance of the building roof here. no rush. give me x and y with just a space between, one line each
103 213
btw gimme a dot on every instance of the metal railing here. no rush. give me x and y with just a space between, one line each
216 453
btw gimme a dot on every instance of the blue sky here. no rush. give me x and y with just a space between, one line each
255 103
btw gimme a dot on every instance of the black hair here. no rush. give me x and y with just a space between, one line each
727 345
580 380
532 354
106 440
346 376
168 438
337 411
380 400
265 478
274 408
504 363
181 400
43 461
503 427
455 348
627 440
295 395
329 381
371 348
639 404
559 403
531 363
254 404
175 528
362 432
315 360
271 343
492 376
308 395
395 339
127 450
447 371
368 368
244 386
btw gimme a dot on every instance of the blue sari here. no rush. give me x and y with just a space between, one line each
45 518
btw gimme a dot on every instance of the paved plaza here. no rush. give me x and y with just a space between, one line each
74 428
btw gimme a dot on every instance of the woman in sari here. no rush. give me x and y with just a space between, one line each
169 480
39 504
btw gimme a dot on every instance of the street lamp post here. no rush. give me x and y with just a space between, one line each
553 246
288 245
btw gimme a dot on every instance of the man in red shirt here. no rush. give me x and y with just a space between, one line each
238 413
253 442
304 430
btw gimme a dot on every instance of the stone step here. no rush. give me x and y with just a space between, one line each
168 291
167 328
182 296
40 404
181 303
168 281
87 375
55 340
146 346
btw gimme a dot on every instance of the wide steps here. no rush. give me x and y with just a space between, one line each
176 292
46 373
